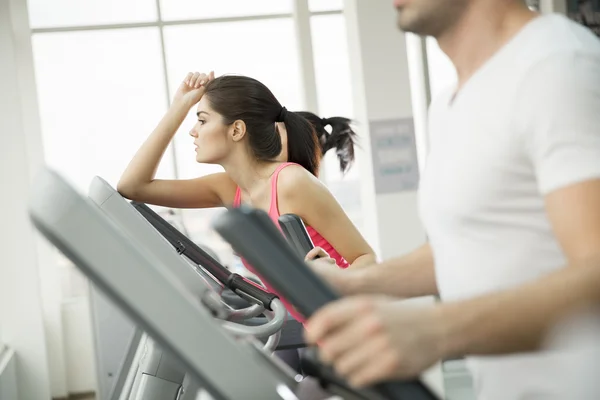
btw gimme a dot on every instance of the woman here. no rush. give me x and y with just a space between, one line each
241 126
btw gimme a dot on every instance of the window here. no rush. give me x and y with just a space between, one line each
196 9
96 109
325 5
332 69
61 13
334 94
98 102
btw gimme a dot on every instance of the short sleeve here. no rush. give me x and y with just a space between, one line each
558 114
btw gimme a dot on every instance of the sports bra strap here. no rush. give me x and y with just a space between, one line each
237 200
274 209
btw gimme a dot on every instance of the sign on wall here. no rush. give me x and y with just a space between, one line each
395 165
533 5
586 12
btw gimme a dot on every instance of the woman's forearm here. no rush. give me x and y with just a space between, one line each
142 168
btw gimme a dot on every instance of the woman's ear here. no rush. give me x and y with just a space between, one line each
238 130
280 129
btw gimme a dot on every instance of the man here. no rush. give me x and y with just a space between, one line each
510 199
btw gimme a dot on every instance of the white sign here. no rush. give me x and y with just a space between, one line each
395 166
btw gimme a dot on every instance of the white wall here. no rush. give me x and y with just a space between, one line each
382 90
559 6
8 375
79 349
21 313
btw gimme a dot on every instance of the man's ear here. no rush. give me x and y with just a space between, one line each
238 130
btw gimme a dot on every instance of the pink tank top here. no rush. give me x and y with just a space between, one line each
316 237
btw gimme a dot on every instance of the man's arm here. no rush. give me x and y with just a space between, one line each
369 339
411 275
518 320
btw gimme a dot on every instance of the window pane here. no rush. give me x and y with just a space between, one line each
194 9
54 13
100 94
265 50
332 68
325 5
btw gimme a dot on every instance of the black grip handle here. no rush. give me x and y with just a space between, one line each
238 284
295 232
410 390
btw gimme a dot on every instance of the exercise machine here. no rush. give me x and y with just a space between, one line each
147 372
252 234
235 287
149 292
226 366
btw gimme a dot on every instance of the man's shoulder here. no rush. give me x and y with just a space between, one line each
556 35
557 56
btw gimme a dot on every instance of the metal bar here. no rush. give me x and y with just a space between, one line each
160 23
307 63
167 88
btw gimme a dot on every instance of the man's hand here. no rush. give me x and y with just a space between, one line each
338 278
372 339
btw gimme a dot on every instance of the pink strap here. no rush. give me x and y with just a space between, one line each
274 207
237 200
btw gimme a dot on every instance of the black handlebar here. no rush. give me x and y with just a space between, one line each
191 250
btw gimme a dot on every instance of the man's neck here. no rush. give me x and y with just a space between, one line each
484 29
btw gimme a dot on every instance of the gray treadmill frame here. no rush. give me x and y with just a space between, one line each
114 261
121 212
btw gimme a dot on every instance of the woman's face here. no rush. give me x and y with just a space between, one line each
211 135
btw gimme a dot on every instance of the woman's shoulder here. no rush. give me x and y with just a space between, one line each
292 176
299 191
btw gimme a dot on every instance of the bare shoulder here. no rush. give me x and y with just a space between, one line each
224 186
295 180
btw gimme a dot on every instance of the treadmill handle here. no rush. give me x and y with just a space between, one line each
238 284
397 390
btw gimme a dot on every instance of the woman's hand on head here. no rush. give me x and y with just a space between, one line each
319 254
192 88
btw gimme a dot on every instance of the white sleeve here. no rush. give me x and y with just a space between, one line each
559 115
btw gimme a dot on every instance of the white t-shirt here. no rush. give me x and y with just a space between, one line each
526 124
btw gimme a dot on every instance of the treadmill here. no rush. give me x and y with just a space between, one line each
146 372
150 293
235 286
227 366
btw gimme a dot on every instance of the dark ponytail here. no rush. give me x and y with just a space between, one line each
241 98
302 142
341 138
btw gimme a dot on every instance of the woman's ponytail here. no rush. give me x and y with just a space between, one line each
342 137
302 141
